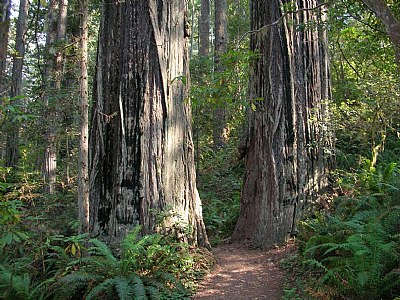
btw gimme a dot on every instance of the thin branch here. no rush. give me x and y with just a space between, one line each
359 19
279 20
348 62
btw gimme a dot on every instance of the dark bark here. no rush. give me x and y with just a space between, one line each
5 9
141 149
16 83
286 161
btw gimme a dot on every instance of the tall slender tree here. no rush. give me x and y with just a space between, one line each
55 36
50 157
83 161
5 12
16 82
287 146
141 148
220 130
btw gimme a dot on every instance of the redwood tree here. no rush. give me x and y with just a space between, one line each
141 149
288 143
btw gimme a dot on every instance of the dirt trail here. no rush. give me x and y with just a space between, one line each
242 274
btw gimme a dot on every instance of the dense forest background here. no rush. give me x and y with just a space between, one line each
348 236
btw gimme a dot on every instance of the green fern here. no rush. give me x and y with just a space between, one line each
355 248
99 248
138 287
104 289
72 284
16 283
142 271
15 286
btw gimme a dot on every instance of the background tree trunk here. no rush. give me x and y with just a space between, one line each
50 157
16 84
220 130
285 161
141 158
5 10
204 28
56 32
83 160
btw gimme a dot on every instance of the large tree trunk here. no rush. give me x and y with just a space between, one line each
55 36
392 25
285 161
141 149
5 9
16 84
220 130
83 161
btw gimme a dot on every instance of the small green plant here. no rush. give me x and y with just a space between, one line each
290 294
10 216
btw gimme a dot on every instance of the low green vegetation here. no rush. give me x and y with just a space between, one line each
355 247
219 186
38 260
352 250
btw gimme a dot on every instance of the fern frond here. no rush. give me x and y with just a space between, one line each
315 263
70 284
104 287
391 281
171 280
132 237
153 292
330 276
15 285
139 289
101 249
123 287
156 284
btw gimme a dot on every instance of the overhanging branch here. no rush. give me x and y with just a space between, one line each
279 20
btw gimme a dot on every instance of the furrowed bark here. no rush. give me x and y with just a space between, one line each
286 160
141 149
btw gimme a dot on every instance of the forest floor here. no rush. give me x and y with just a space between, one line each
242 273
